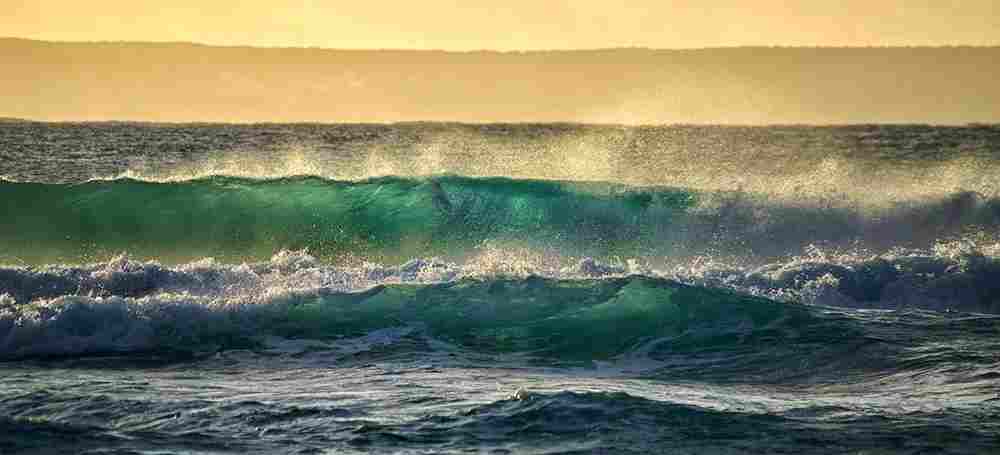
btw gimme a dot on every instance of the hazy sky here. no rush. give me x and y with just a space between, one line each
509 24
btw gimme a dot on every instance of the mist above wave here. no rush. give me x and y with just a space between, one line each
866 163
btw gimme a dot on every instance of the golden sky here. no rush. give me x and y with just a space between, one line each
508 24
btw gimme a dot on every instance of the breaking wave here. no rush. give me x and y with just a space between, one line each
584 311
394 219
556 270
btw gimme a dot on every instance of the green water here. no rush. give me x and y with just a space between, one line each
386 219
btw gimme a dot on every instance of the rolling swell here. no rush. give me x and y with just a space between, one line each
579 422
571 422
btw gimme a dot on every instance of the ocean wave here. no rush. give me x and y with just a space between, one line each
953 276
580 421
394 219
713 327
388 218
567 319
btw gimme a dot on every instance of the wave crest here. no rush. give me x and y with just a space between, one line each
395 219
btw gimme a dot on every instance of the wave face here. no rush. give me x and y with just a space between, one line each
239 219
396 219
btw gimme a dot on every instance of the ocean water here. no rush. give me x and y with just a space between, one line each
449 288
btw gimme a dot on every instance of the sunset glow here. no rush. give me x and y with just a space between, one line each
508 25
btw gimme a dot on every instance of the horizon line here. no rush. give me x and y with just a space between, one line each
510 51
10 119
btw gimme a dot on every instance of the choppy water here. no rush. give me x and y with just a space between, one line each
428 288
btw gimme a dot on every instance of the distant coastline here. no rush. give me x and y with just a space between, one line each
474 51
196 83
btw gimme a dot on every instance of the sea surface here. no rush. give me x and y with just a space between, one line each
523 288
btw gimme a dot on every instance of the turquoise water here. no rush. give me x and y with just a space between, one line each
433 288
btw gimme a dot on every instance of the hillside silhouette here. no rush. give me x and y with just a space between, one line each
182 82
